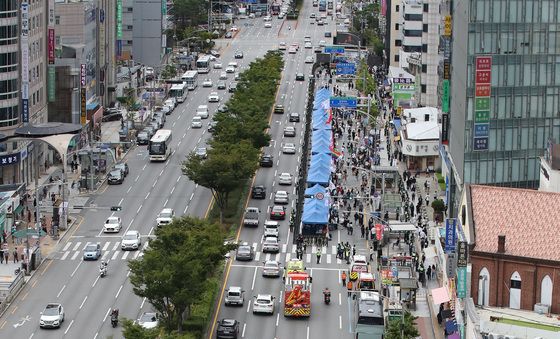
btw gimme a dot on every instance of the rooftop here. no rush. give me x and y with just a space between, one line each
518 323
424 130
529 220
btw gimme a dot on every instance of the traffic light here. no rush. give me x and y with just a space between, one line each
116 208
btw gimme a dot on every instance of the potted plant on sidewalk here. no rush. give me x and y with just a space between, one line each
439 209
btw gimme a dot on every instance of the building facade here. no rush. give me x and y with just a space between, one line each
394 31
505 85
149 40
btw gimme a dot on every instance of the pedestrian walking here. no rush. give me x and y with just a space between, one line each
343 278
429 272
318 255
15 255
349 287
6 255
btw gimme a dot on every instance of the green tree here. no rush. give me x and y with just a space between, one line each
227 167
135 331
172 273
189 13
398 329
169 71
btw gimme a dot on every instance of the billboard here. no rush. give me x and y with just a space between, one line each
24 61
51 46
483 79
345 68
344 102
342 38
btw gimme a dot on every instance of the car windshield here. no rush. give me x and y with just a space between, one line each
263 301
271 265
129 237
143 135
116 173
147 317
165 215
51 311
243 249
91 248
112 221
234 294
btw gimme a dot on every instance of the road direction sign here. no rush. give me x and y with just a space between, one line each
344 102
345 68
334 49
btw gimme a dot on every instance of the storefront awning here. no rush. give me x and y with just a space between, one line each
440 295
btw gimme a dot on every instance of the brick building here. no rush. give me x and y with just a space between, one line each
514 247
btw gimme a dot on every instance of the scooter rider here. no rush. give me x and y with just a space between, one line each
115 317
103 268
327 295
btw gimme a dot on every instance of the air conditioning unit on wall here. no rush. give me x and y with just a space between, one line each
541 308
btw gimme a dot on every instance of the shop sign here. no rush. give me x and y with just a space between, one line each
462 254
482 116
481 130
83 104
9 159
51 83
445 128
450 234
119 19
445 97
461 282
447 25
451 266
480 144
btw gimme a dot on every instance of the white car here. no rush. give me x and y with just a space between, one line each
234 28
264 303
271 229
214 97
112 225
236 76
223 76
196 122
230 69
207 83
292 50
308 45
217 65
267 25
131 241
309 59
52 316
289 148
165 216
271 268
271 244
322 43
233 64
289 131
202 111
285 179
148 320
267 18
281 197
282 46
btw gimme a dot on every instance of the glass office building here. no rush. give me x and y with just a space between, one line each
498 132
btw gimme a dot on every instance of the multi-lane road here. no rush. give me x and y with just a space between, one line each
87 299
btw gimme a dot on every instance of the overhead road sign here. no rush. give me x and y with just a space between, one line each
344 102
345 68
334 49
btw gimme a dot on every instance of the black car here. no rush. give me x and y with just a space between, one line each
294 117
222 108
232 87
300 77
123 166
212 126
228 35
328 34
239 55
227 328
115 177
112 114
258 192
279 109
267 160
142 138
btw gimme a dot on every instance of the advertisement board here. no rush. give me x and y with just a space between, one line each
450 234
119 19
445 128
445 96
83 104
482 80
343 68
51 83
24 43
461 282
462 256
51 46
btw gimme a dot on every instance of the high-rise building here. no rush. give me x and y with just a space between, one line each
22 84
394 22
504 92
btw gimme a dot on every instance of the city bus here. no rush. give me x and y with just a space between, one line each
203 64
322 5
179 92
191 79
159 146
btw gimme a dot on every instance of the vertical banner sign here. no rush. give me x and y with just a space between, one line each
83 98
462 254
24 61
51 83
51 20
483 79
445 128
378 231
445 97
101 38
461 282
447 25
450 235
119 29
51 46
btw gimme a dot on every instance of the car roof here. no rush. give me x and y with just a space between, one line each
234 289
264 296
170 210
131 232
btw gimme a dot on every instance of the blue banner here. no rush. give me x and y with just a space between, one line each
481 130
480 144
345 68
334 49
344 102
9 159
450 234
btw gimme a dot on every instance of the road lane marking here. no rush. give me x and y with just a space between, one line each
186 208
68 244
254 278
277 319
106 315
147 195
307 332
83 302
140 207
60 292
340 322
95 282
128 190
154 184
77 246
243 332
142 304
75 255
118 292
248 306
72 275
339 297
136 180
143 168
68 329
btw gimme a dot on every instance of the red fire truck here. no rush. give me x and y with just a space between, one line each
297 294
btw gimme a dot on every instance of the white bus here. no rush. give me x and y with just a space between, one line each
179 92
203 64
159 147
191 79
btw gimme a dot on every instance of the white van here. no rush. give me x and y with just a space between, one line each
202 111
271 229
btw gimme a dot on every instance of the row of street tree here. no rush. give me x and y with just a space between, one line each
179 272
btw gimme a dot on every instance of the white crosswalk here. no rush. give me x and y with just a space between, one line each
110 250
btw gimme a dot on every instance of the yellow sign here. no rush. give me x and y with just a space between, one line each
447 26
83 103
399 110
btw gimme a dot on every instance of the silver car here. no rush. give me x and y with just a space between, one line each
289 148
234 296
281 197
271 268
285 179
264 303
271 228
270 244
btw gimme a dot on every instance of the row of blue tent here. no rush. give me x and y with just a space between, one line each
316 204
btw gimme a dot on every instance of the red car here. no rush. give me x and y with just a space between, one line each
278 212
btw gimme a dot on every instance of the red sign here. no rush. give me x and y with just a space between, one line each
51 46
483 63
482 90
483 77
378 231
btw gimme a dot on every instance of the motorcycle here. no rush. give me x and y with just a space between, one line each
115 318
103 270
327 297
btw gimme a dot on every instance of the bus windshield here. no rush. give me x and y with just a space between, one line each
203 64
157 148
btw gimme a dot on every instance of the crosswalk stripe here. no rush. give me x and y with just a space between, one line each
338 261
333 249
136 254
114 257
313 249
106 246
257 256
105 255
255 246
267 257
324 250
277 257
75 255
125 255
68 244
116 246
288 257
294 248
328 258
65 255
284 248
308 258
77 246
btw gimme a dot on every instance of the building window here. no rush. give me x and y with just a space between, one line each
424 68
396 27
423 90
397 8
413 17
129 9
398 43
397 58
426 8
57 19
412 32
425 28
424 48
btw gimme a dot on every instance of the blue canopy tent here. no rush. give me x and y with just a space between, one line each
311 191
319 174
322 99
321 124
315 217
321 134
319 113
320 159
321 147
